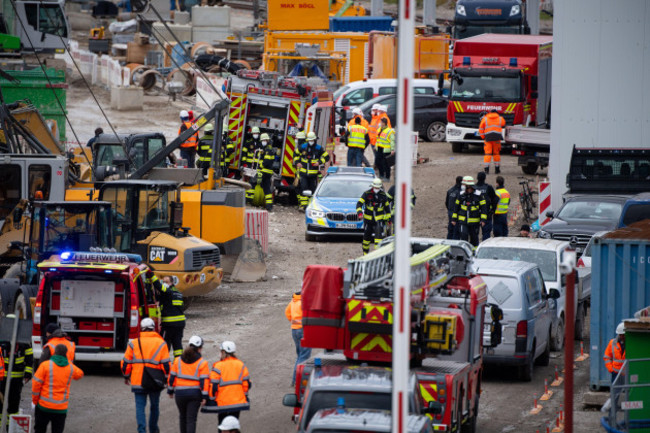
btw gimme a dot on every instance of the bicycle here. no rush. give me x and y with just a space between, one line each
526 199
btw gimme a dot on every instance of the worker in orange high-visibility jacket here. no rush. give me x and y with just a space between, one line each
51 390
150 351
357 113
491 131
188 147
189 382
293 312
375 123
229 383
615 352
56 336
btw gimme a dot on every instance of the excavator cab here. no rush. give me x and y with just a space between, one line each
128 151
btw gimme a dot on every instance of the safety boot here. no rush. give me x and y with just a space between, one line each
487 170
497 169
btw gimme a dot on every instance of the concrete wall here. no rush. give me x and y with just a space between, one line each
601 83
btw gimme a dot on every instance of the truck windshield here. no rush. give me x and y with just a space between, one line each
355 400
546 260
462 32
153 210
487 88
106 153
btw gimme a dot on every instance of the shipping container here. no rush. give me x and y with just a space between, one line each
620 287
298 15
361 24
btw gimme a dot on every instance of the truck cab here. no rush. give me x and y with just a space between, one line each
41 25
97 298
475 17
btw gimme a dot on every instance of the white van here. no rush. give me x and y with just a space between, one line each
358 92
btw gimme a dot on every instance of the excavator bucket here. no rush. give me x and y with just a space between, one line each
250 265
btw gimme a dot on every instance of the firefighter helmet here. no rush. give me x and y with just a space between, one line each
311 136
377 183
620 329
264 136
300 135
468 181
228 346
255 130
209 127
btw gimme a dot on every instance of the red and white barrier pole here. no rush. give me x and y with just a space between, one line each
404 127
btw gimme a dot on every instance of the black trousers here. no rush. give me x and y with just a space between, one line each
204 166
15 390
307 183
173 336
382 167
222 415
188 410
43 418
468 232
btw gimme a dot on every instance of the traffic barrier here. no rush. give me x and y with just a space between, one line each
544 189
257 227
547 393
558 379
536 407
583 355
559 426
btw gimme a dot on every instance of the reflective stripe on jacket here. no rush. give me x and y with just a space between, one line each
51 385
55 341
470 209
23 360
491 127
375 206
205 148
171 301
294 312
357 137
190 142
504 201
311 159
386 139
148 350
189 378
229 384
615 357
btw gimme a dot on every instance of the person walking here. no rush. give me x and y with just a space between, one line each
21 373
385 149
357 139
309 161
172 316
450 202
51 390
501 209
491 131
293 312
229 383
230 424
205 148
469 212
373 207
188 147
615 352
145 366
189 383
55 336
490 202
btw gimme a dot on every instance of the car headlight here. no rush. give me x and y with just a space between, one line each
460 10
516 10
313 213
543 234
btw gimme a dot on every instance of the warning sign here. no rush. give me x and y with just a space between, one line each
20 423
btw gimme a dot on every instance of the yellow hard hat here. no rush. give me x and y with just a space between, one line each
264 136
209 127
311 136
255 130
300 135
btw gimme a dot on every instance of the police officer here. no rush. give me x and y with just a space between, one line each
490 201
374 208
309 161
450 202
21 373
469 212
501 209
205 148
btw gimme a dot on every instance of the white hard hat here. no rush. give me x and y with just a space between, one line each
147 323
184 113
382 108
209 127
377 183
228 346
229 423
357 110
375 106
620 329
196 341
468 181
311 136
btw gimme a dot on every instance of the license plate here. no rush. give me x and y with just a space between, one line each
346 226
541 154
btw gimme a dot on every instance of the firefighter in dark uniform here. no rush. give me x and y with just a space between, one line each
263 162
227 154
249 147
374 208
392 196
205 148
308 161
172 316
470 212
22 371
450 202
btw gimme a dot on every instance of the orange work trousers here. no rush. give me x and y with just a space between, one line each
492 149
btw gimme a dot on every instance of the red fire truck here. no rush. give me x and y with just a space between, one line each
508 73
279 106
351 311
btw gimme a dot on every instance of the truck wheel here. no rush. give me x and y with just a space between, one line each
558 338
436 131
545 358
530 168
457 147
580 323
526 371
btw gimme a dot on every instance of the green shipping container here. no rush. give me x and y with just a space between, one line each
47 94
637 346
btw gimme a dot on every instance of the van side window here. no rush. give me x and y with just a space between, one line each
387 90
424 90
358 97
533 281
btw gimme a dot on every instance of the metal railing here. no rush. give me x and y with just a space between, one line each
621 404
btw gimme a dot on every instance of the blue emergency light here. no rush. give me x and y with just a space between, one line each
369 170
331 170
340 405
66 255
466 61
513 61
317 362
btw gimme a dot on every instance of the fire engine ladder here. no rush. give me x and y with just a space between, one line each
371 276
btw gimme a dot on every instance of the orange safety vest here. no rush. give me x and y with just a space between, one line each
185 376
229 383
614 358
385 116
55 341
364 122
491 127
148 350
375 123
193 140
294 312
51 385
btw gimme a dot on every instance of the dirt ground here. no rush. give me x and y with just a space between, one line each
253 314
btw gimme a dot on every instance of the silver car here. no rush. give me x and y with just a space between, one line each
517 288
